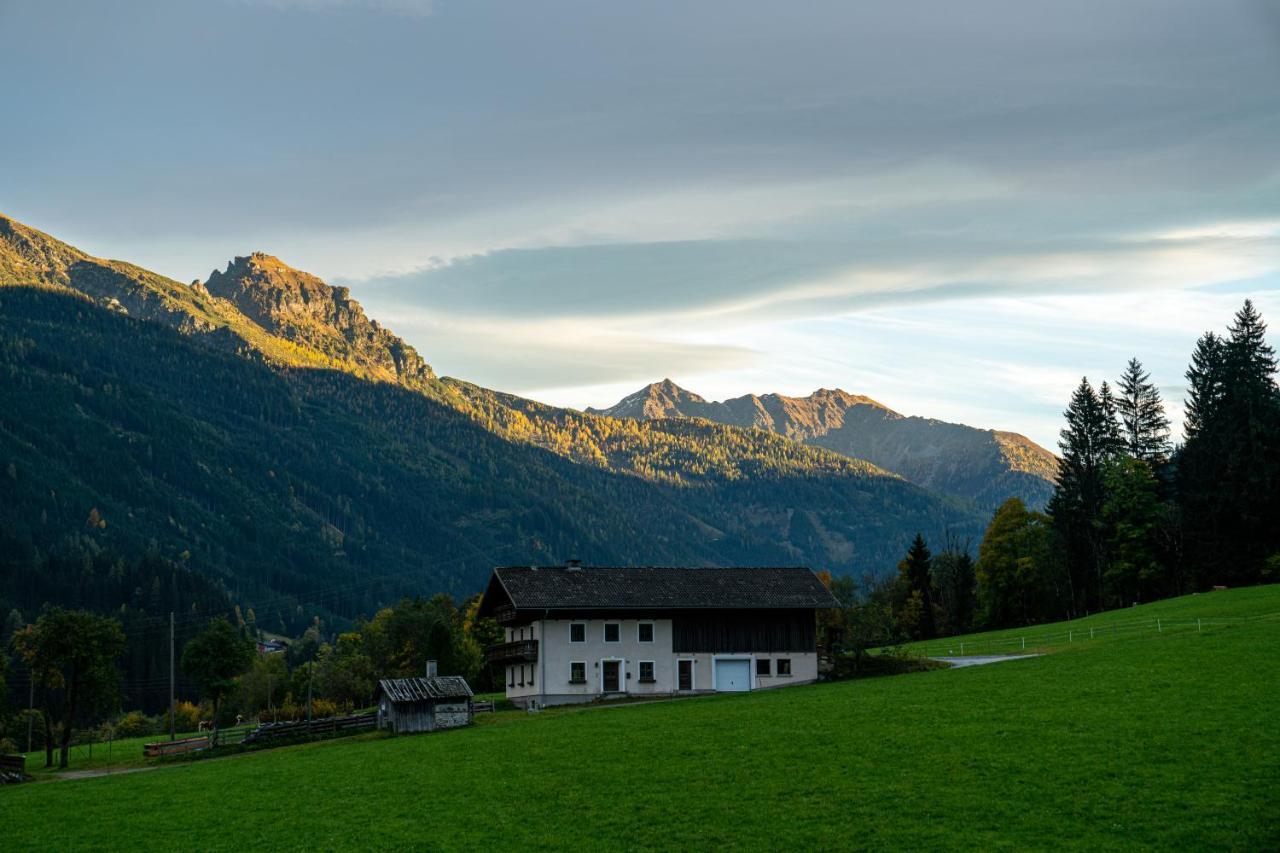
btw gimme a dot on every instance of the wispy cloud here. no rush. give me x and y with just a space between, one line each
411 8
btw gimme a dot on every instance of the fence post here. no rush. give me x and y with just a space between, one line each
1197 624
1070 636
962 648
1090 633
1159 627
1024 644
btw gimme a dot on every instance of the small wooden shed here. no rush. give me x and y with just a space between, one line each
423 704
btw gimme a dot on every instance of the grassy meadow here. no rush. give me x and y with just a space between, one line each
1199 612
1147 740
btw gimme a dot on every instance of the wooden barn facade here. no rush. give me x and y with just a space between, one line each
408 705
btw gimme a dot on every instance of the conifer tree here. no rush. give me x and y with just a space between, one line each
1229 468
1204 384
1089 441
1110 438
916 575
1146 429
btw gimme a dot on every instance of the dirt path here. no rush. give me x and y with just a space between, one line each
980 660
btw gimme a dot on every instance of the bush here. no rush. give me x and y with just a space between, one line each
136 724
188 718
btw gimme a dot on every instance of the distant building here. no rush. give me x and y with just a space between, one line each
407 705
267 647
576 633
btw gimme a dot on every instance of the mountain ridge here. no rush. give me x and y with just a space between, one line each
984 466
260 430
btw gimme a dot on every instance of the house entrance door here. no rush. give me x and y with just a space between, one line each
611 676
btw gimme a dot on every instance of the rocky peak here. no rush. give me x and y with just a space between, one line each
656 400
302 308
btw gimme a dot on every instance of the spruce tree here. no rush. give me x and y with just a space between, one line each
1229 467
1205 377
1146 429
915 572
1089 441
1110 436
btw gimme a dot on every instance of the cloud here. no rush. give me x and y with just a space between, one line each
409 8
747 281
528 355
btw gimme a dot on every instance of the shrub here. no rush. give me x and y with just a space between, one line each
136 724
188 717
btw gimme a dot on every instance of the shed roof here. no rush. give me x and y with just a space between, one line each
654 587
424 689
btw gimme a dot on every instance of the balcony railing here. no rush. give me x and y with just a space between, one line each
518 651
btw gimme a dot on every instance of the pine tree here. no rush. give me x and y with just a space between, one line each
1089 441
915 572
1205 377
1229 468
1146 429
1110 437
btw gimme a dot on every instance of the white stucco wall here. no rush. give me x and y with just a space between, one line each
550 682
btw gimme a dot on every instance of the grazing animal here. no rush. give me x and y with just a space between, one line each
204 726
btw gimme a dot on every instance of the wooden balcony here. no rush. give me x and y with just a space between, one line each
504 613
519 651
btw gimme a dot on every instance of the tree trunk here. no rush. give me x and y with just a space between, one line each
48 737
66 726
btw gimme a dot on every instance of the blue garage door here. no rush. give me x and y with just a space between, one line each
733 675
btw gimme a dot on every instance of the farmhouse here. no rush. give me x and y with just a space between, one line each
576 633
423 704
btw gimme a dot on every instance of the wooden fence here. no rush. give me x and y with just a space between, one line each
175 747
13 764
350 724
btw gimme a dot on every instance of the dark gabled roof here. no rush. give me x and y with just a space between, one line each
655 587
424 689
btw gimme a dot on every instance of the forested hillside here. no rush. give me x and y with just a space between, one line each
315 467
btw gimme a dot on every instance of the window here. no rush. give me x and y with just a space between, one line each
762 666
577 672
577 632
612 632
645 634
511 676
522 676
784 666
646 672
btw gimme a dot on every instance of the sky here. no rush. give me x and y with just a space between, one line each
957 208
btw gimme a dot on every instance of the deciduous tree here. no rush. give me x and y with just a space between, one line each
214 659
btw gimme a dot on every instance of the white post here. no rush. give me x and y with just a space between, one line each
1090 633
1197 623
1024 644
1159 627
962 648
1070 636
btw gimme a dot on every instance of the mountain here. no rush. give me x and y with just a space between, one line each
259 431
983 466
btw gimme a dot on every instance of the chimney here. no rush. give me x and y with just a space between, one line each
431 669
574 565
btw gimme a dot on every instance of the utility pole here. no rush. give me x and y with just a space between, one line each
173 710
31 708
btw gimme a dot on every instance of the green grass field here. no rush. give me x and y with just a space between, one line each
1147 740
1188 613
